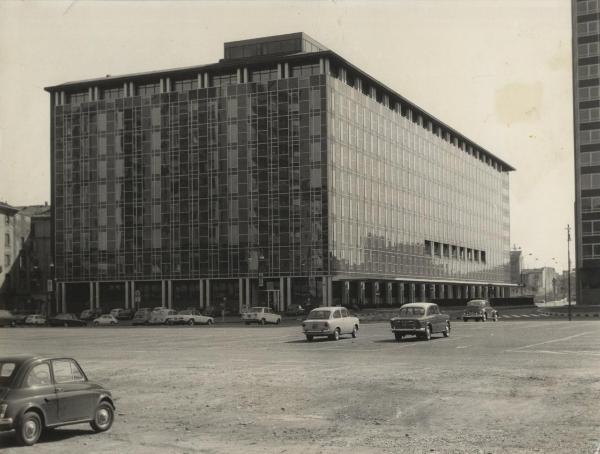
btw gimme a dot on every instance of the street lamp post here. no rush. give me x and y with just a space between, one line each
569 268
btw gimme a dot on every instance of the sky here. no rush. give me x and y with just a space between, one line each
498 71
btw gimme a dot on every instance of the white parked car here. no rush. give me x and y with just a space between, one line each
190 317
260 315
161 315
331 322
35 319
105 319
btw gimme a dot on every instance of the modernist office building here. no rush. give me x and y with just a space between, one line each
586 97
281 174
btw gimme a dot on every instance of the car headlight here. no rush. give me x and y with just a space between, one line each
3 408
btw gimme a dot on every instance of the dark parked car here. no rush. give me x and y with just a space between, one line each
126 314
295 309
7 318
66 320
90 314
421 320
20 317
480 310
142 316
41 392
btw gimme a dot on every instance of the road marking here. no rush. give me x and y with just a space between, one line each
463 346
555 340
558 352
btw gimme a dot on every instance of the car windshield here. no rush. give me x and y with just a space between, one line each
6 372
185 312
411 311
475 303
319 315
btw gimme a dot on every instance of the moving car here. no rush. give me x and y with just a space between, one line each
330 322
421 320
260 315
190 317
66 319
35 319
106 319
480 310
7 318
161 315
45 392
90 314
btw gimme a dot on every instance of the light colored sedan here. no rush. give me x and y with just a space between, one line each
190 317
35 319
260 315
331 322
105 319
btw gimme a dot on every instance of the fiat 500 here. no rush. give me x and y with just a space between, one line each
421 320
45 392
330 322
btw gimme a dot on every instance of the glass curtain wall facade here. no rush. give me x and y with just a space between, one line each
266 181
586 96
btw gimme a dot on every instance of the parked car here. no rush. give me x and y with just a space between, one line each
7 318
126 314
106 319
115 312
32 398
35 319
295 309
331 322
161 316
421 320
190 317
260 315
19 317
66 319
142 316
480 310
90 314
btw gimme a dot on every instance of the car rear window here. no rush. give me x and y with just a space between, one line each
319 315
6 372
411 311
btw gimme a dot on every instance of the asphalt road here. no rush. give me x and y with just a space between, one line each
506 387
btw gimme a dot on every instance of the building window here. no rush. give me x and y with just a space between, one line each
76 99
148 89
6 260
590 181
112 93
222 80
305 70
186 85
263 75
7 239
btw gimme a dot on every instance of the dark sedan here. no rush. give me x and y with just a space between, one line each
44 392
480 310
7 318
66 320
421 320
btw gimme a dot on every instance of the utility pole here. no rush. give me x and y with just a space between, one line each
569 268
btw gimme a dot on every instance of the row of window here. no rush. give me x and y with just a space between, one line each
589 159
589 93
591 251
588 50
590 204
586 7
589 228
435 249
587 115
588 137
587 28
590 181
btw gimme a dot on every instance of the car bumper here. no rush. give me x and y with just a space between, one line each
408 330
318 332
6 424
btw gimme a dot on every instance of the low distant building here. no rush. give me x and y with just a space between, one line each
540 282
516 266
25 257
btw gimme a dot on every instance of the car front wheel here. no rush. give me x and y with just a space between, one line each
191 322
427 334
398 336
446 331
309 338
210 322
103 417
355 332
29 429
336 335
263 321
495 317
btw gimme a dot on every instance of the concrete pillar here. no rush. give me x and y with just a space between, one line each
208 293
346 293
200 80
91 295
248 294
374 292
241 294
286 70
63 98
329 291
472 292
168 84
131 89
388 294
422 293
324 291
63 297
97 295
433 292
485 292
411 293
125 89
245 75
279 71
126 295
206 81
170 293
322 66
327 66
288 287
163 302
281 295
201 293
442 293
239 75
56 98
400 298
90 94
134 304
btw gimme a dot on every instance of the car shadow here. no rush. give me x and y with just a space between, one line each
317 340
9 440
406 340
